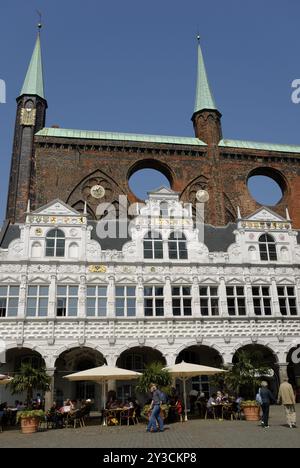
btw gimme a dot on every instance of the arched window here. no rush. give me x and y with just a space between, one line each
177 246
153 245
267 248
55 243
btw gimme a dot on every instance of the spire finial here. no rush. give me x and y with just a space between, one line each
198 38
40 24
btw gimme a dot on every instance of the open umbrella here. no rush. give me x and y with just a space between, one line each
185 371
5 379
103 374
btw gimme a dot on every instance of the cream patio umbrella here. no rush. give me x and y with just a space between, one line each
103 374
5 379
185 371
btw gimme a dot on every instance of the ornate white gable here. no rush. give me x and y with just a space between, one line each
265 214
58 208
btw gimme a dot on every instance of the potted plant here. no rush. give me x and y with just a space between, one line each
28 380
244 378
251 410
30 420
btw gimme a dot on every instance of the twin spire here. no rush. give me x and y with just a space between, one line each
34 81
204 96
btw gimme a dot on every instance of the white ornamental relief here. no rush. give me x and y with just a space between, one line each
16 248
93 249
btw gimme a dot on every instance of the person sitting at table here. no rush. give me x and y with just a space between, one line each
201 404
219 398
225 398
211 405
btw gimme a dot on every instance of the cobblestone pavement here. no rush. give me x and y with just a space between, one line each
193 434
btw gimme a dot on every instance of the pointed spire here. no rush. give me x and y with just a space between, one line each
239 213
34 82
288 214
28 206
85 208
204 97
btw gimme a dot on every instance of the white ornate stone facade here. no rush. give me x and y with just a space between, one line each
85 264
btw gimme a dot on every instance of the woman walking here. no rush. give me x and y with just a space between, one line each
267 398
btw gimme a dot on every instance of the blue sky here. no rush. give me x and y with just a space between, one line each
130 66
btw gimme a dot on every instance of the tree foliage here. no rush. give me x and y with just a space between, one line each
154 373
245 376
29 380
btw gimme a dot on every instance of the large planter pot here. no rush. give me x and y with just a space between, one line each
252 413
29 425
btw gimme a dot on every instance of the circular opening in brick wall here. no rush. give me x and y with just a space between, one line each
146 177
266 186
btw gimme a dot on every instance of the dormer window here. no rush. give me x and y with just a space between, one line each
153 246
55 243
177 246
267 248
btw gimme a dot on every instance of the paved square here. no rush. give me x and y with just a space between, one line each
193 434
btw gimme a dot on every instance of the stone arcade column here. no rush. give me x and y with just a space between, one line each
140 298
111 299
283 373
49 396
168 298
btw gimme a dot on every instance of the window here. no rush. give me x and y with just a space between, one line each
37 301
236 300
153 246
267 248
96 301
9 301
125 301
67 301
154 301
287 300
177 246
209 300
55 243
261 300
181 300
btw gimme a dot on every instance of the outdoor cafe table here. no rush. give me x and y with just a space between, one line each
114 413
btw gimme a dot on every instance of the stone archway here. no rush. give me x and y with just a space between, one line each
263 356
203 355
136 359
76 360
15 357
293 369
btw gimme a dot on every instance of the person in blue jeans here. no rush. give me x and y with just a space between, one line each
155 410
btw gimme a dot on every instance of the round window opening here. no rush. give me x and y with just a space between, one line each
265 190
147 180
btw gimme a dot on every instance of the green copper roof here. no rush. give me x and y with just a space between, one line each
204 97
259 146
34 83
96 135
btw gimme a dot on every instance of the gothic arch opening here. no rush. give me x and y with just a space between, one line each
147 175
267 186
